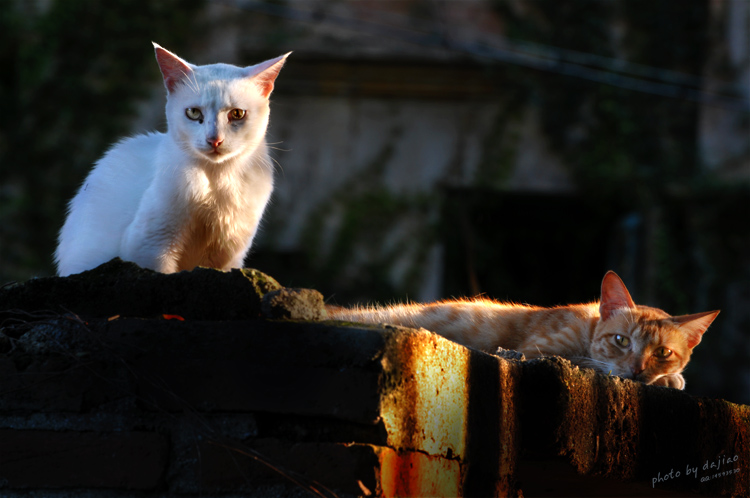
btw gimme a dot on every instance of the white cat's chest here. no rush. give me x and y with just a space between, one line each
220 215
218 199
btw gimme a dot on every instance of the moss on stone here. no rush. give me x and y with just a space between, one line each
294 304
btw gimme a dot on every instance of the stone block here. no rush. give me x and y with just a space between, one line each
294 304
49 459
282 367
224 466
124 289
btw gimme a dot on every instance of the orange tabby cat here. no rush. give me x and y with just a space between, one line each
614 336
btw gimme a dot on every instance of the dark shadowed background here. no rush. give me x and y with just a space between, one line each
430 148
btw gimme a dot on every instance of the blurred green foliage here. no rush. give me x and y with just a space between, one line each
621 145
72 73
627 151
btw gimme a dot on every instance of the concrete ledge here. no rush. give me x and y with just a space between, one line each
122 288
155 406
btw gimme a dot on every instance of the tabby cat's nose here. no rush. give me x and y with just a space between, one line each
637 369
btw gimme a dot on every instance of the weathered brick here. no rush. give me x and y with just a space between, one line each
237 386
342 467
49 459
41 388
57 383
302 368
628 431
411 473
357 469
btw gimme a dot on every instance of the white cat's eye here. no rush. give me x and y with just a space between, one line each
193 113
621 340
663 352
236 114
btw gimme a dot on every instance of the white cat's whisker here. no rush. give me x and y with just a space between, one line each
278 165
195 82
190 80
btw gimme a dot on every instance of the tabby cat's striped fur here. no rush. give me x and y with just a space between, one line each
614 336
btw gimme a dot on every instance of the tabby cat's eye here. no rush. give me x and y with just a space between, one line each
622 340
236 114
194 113
663 352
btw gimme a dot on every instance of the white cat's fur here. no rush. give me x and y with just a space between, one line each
190 197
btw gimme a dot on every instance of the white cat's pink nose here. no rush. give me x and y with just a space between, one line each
215 142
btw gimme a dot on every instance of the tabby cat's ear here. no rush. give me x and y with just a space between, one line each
695 325
173 69
615 296
265 73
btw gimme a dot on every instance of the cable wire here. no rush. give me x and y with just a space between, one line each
615 72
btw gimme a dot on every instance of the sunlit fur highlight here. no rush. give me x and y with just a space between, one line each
576 332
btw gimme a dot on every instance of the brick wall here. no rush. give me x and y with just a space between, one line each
115 406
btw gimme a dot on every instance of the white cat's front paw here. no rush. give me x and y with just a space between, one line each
676 381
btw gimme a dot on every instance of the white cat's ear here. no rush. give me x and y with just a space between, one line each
265 73
615 296
173 69
695 325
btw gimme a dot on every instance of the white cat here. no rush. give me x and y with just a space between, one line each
190 197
